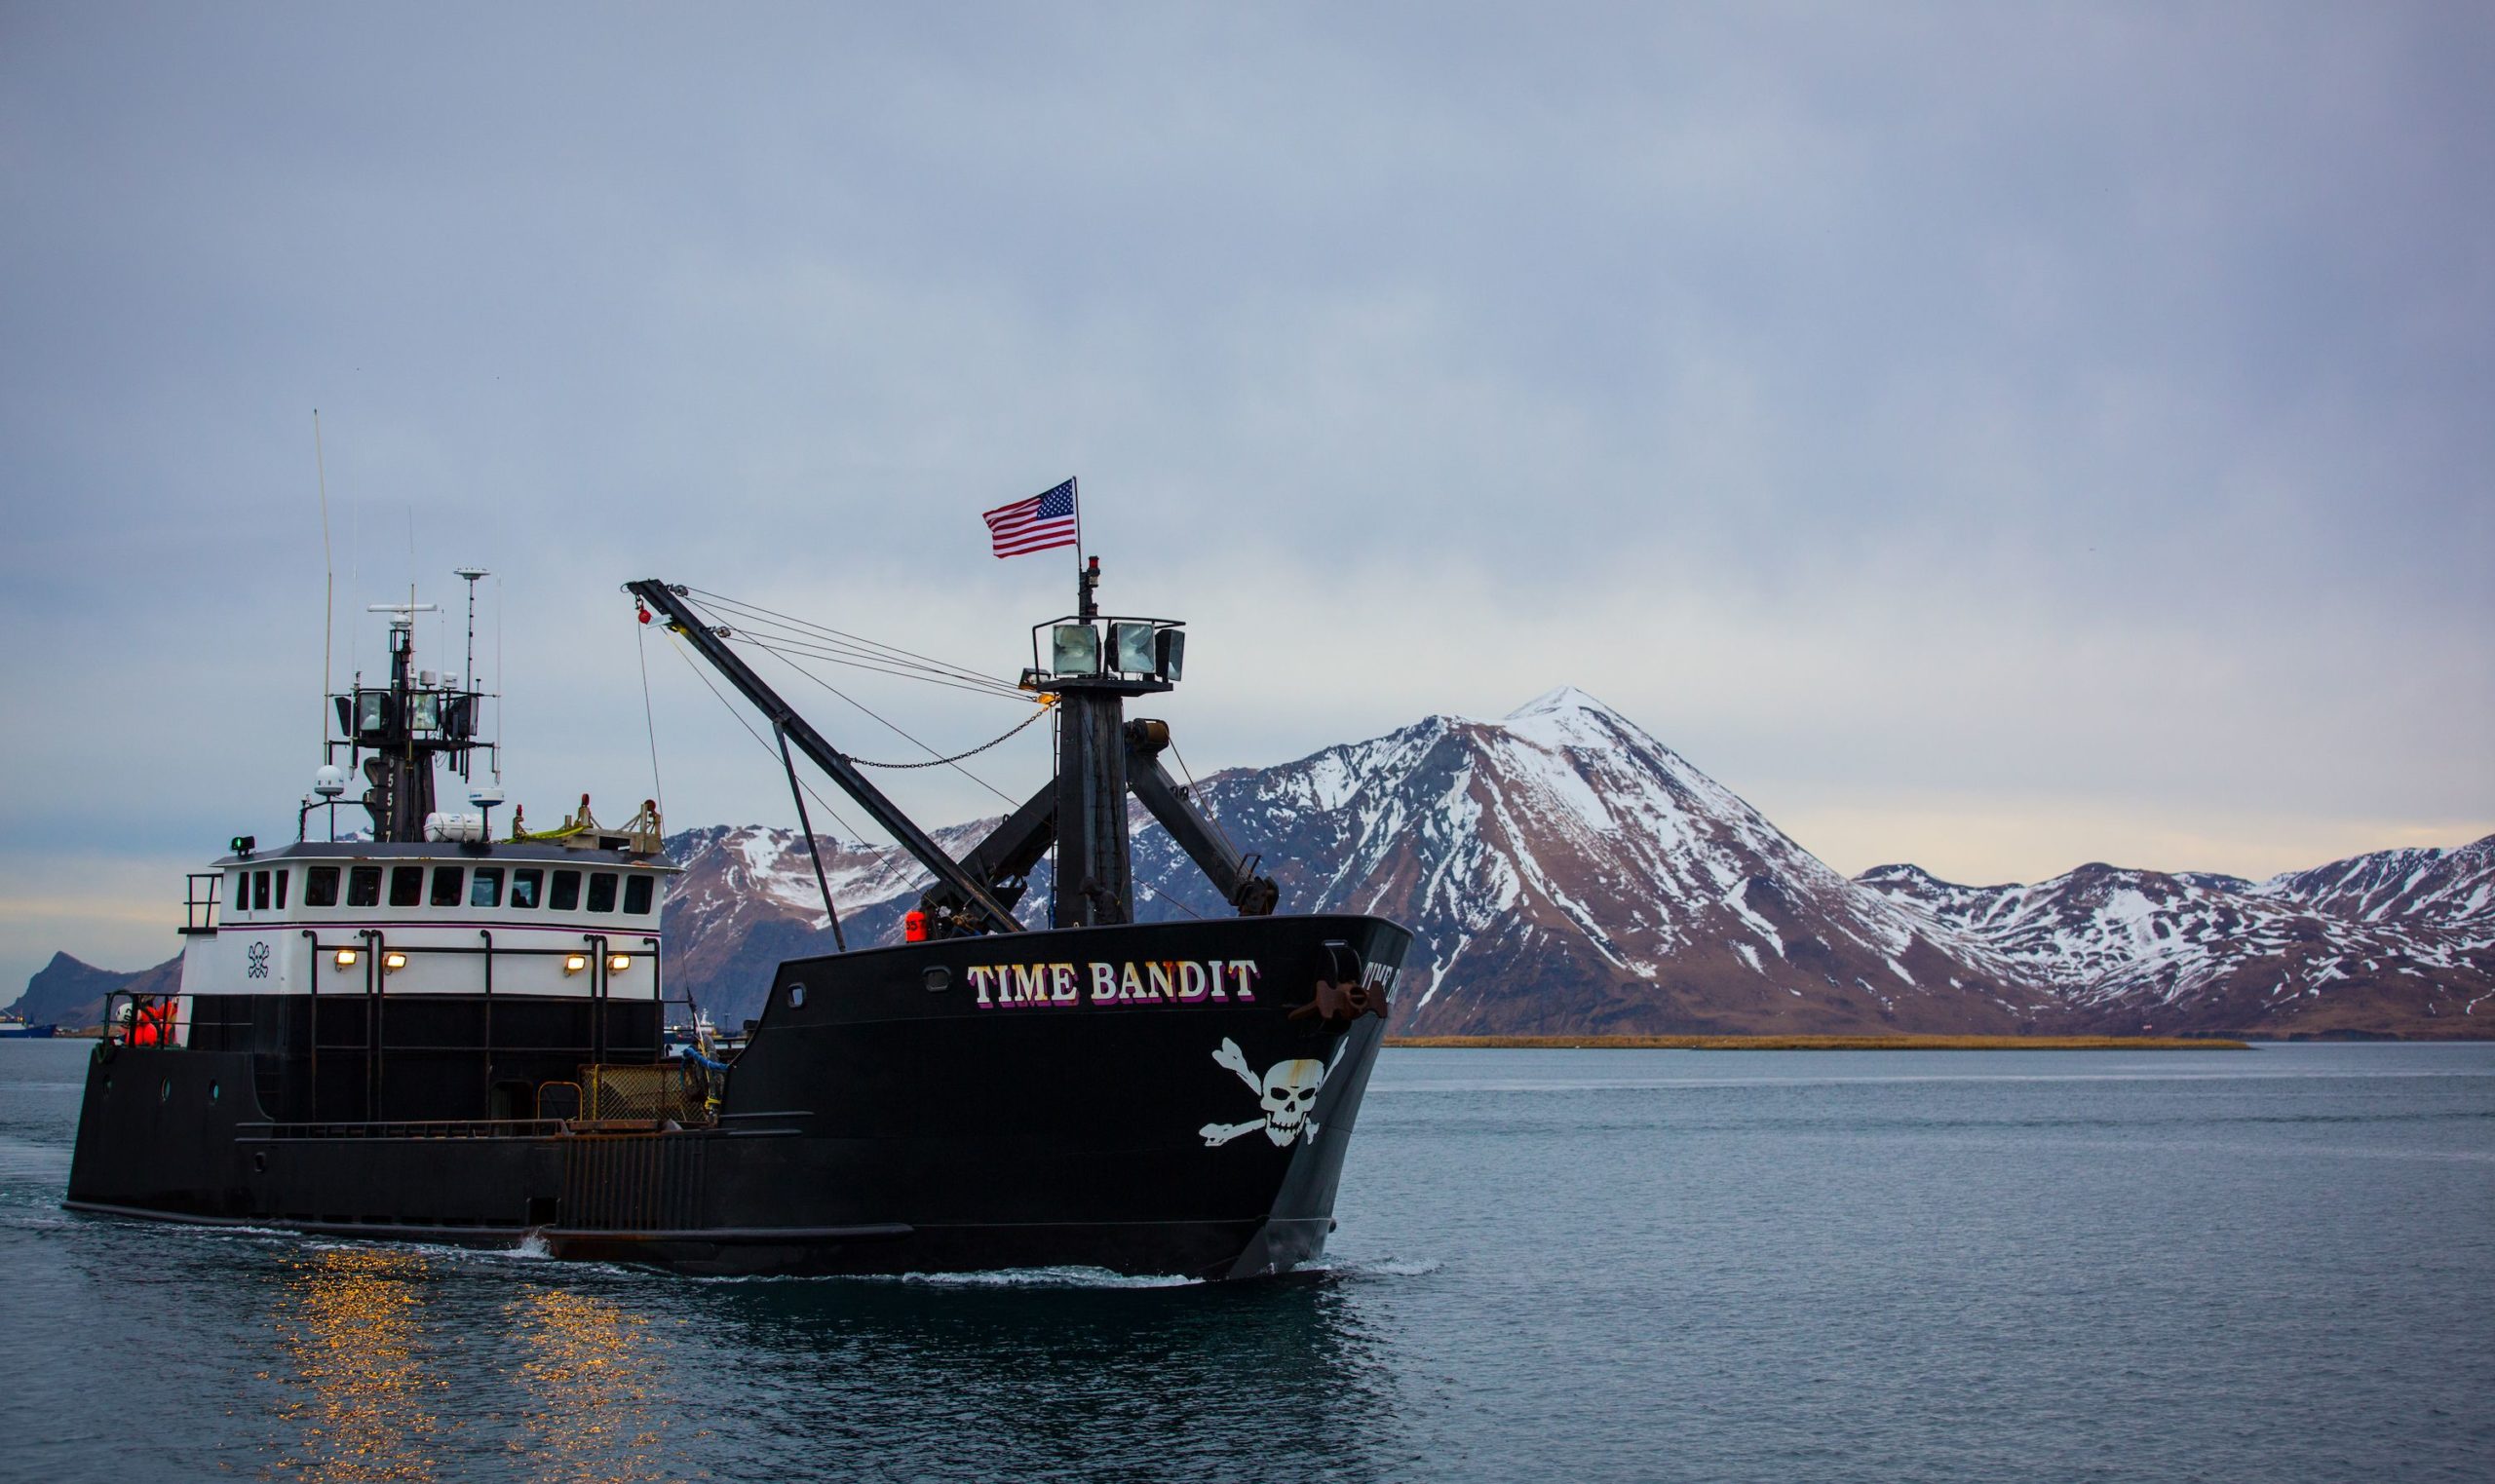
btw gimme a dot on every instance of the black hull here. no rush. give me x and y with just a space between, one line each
884 1119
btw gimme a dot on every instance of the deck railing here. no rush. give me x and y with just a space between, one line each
670 1089
406 1128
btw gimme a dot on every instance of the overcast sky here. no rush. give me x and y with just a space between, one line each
1996 437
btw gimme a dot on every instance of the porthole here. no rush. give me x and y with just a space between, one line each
260 1164
796 995
213 1091
165 1091
937 978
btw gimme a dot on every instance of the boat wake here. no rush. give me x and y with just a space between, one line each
1038 1277
1375 1267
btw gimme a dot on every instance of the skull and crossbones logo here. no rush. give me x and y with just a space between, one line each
258 968
1287 1092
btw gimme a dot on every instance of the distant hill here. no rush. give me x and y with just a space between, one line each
70 993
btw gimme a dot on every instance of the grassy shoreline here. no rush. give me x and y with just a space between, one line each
1817 1043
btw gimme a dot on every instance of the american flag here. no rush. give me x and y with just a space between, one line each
1035 524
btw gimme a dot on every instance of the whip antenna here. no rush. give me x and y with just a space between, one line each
329 577
468 575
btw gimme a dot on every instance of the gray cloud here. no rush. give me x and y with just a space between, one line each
2076 409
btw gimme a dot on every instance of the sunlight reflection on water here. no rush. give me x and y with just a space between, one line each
589 1371
360 1398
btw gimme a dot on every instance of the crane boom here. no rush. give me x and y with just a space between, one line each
706 642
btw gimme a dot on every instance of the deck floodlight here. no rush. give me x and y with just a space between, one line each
1077 650
574 962
618 962
1131 644
428 712
1171 644
346 958
392 963
371 711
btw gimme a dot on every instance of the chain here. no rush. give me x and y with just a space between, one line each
940 762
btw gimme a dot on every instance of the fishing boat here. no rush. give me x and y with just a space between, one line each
15 1028
427 1033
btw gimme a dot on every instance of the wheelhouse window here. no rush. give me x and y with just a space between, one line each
526 884
363 885
259 891
637 890
242 890
321 886
445 885
407 885
601 891
568 892
486 887
281 887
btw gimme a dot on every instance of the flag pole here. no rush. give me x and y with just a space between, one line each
1082 580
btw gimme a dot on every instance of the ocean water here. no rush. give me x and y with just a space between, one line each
2273 1265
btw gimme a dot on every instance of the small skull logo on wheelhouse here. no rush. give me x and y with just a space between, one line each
1287 1092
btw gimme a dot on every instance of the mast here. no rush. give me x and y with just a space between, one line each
708 642
1093 664
1094 868
397 733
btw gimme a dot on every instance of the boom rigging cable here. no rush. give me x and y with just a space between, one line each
850 655
649 718
1173 901
1195 791
939 762
842 638
857 649
738 716
800 646
1010 801
813 853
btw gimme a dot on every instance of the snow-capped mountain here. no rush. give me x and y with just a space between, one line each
2432 886
2393 943
1566 873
